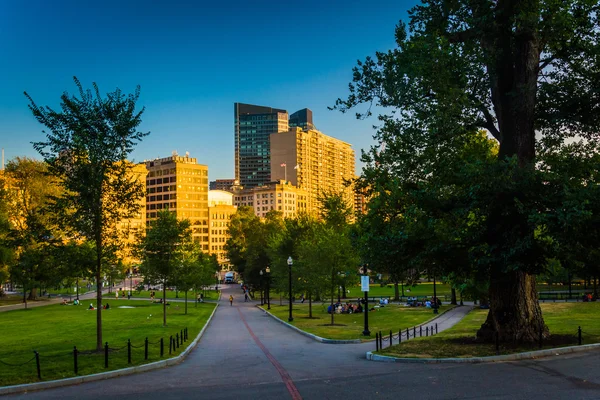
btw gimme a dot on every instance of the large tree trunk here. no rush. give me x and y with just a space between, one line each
513 54
396 292
310 305
515 314
33 294
453 297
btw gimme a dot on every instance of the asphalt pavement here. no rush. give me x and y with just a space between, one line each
245 354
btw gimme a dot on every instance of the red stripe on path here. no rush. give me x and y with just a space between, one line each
289 383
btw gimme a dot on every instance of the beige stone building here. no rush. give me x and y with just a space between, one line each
279 196
220 210
180 184
313 162
131 228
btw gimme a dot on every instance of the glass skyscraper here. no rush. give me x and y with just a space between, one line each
253 125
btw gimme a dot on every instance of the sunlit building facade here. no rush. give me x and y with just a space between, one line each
179 184
220 210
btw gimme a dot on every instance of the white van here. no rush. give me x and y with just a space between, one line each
229 277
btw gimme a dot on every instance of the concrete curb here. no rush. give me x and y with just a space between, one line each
110 374
310 335
476 360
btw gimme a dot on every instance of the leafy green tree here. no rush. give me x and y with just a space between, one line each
513 68
162 251
31 233
88 142
328 252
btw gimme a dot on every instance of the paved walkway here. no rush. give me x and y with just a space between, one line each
245 354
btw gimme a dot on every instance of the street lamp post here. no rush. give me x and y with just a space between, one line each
217 281
268 273
341 275
290 262
130 283
435 301
261 289
366 331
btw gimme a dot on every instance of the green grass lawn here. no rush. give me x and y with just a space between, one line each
422 289
55 329
145 294
350 326
562 320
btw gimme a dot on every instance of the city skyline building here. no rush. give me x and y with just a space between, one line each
179 184
221 184
275 196
313 162
252 126
220 210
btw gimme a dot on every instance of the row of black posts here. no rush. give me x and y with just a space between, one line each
429 331
174 342
379 337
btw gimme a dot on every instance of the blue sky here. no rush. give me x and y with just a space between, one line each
193 60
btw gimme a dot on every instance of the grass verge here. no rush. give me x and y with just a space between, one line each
54 330
350 326
171 294
562 319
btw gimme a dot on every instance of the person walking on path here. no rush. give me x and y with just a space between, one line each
246 297
230 300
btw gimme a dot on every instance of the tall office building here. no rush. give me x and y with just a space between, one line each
302 119
253 125
180 184
220 210
313 162
221 184
275 196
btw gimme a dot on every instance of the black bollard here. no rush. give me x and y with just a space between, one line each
407 334
391 337
170 344
421 331
177 339
376 341
182 336
75 359
37 364
162 347
146 349
436 331
414 331
579 335
426 331
106 355
129 351
380 340
399 336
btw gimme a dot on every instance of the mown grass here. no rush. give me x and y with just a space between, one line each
171 294
562 319
55 329
350 326
422 289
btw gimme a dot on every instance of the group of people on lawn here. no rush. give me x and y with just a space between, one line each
428 303
347 308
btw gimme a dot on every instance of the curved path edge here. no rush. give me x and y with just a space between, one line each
310 335
109 374
351 341
476 360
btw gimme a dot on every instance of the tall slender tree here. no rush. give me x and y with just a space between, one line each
162 251
87 145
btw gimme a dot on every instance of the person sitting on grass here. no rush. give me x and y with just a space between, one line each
64 302
91 307
75 302
106 307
